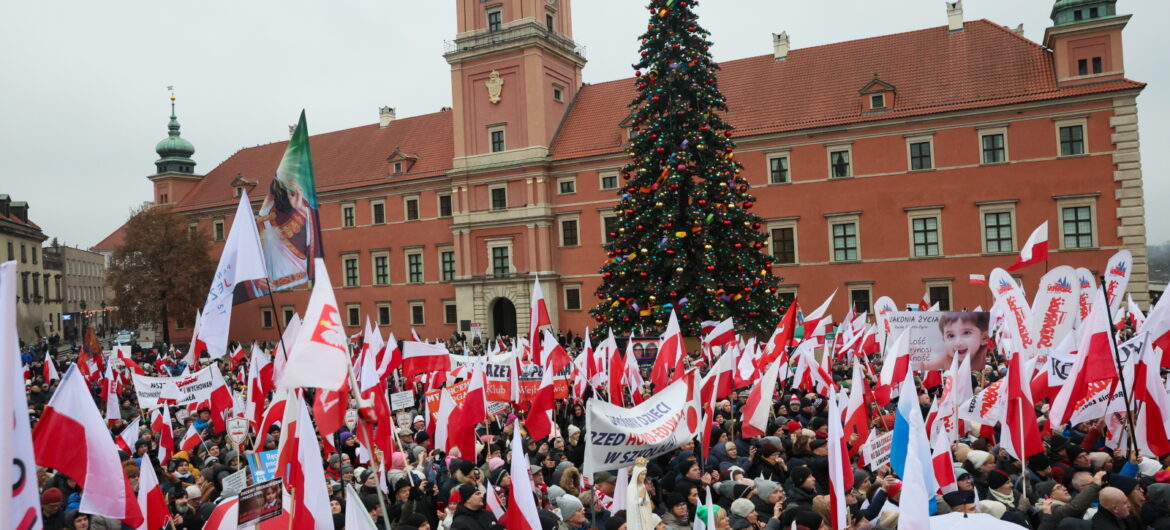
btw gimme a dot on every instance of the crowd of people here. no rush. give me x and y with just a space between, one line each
778 480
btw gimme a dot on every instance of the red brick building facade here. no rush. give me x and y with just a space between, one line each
893 165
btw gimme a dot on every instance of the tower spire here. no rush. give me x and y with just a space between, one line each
174 152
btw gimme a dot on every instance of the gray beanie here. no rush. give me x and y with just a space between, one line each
742 507
764 488
567 505
554 493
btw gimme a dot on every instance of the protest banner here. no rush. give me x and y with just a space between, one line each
179 391
499 381
263 465
877 450
401 400
936 337
235 483
260 502
618 436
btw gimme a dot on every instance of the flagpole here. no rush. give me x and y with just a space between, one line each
1117 363
357 396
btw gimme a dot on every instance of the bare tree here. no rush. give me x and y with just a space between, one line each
161 271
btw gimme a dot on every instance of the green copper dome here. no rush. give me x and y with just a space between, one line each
1066 12
174 152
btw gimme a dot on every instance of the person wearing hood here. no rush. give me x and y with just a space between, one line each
1156 511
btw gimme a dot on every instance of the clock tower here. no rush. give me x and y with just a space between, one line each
514 72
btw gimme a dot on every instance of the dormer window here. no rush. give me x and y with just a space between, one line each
400 163
397 168
877 96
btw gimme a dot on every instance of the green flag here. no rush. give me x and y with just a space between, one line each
290 228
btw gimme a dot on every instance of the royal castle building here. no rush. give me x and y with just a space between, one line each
895 165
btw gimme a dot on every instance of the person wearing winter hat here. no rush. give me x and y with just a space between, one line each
51 512
962 501
1000 488
571 511
804 488
470 514
1132 490
743 514
1156 511
767 494
677 516
714 513
1056 503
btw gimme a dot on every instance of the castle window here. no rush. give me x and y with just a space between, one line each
1097 65
497 140
839 164
495 20
548 22
1082 67
877 101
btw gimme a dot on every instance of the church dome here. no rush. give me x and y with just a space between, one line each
174 151
1073 11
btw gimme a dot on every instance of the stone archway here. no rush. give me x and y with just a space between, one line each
503 315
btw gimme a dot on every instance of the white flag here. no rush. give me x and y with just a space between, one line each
318 358
241 260
21 508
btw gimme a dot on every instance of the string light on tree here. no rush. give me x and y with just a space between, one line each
685 238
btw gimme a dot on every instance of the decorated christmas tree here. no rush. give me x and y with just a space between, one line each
685 238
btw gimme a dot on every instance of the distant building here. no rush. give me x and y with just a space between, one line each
38 303
895 165
87 299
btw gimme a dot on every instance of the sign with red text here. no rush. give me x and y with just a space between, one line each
617 436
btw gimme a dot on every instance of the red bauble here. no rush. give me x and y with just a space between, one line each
710 267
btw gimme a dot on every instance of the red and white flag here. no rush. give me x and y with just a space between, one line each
129 436
311 503
857 409
151 500
445 420
197 347
1035 249
160 423
1020 435
538 318
758 407
522 513
49 367
319 357
722 333
191 440
259 384
670 354
472 411
1152 428
943 464
110 395
19 509
225 516
777 345
355 518
840 472
539 422
421 358
71 438
978 279
812 321
1158 327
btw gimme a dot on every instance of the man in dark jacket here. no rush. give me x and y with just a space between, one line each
1114 513
470 514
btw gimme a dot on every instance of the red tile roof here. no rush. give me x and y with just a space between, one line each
933 71
341 159
112 241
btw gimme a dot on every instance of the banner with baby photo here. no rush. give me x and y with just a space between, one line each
937 337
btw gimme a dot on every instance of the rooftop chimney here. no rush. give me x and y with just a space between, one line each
955 15
385 116
780 46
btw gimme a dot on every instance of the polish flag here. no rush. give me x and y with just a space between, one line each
391 358
50 368
197 347
720 379
1153 421
554 354
723 333
943 464
221 399
514 379
319 357
72 438
447 416
670 354
151 500
1135 313
777 345
924 304
978 279
258 387
225 516
19 505
473 411
493 500
1035 249
1022 436
617 373
280 353
1158 327
895 369
420 358
329 408
274 413
857 409
160 423
373 405
191 440
812 321
758 407
538 318
540 422
311 503
521 513
840 472
128 437
237 356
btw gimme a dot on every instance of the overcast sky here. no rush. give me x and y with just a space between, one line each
83 98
